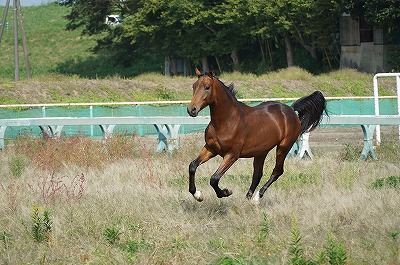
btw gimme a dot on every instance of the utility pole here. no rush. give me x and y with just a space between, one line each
17 15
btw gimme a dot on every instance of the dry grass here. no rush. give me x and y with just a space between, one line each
136 209
289 83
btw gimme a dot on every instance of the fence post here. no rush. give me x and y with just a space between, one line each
91 116
139 127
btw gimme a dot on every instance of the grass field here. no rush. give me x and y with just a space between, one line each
75 201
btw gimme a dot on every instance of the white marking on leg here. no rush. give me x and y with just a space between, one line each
256 198
198 196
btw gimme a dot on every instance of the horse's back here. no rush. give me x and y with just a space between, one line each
267 125
277 111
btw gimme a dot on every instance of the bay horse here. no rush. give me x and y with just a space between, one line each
237 130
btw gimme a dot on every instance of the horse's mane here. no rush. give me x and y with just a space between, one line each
230 88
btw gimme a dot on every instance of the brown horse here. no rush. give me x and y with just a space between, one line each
237 130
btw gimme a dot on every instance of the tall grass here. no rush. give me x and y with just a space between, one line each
135 208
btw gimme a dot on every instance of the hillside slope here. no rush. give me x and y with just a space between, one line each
291 82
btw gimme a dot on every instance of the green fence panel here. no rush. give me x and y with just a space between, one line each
335 107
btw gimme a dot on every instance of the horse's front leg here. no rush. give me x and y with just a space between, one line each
204 155
227 162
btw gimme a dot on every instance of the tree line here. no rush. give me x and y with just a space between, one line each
242 35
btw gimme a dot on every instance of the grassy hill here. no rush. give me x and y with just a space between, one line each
49 44
52 49
65 70
291 82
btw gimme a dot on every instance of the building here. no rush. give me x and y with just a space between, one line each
363 47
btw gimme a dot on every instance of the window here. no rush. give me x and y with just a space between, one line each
366 31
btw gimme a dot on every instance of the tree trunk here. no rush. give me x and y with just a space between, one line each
204 63
289 50
235 60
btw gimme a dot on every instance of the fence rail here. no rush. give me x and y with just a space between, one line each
168 128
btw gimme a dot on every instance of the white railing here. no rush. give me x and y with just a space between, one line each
173 102
168 127
376 98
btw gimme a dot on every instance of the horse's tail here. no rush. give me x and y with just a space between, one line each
310 110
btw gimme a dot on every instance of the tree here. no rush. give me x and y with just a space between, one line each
310 23
379 13
202 28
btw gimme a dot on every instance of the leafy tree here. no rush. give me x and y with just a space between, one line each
312 23
380 13
200 28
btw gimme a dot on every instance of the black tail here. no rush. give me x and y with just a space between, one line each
310 110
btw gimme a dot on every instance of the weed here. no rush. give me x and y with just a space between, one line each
388 182
265 226
6 238
41 224
296 250
335 252
130 246
394 246
17 165
112 235
11 191
351 153
226 261
54 154
54 187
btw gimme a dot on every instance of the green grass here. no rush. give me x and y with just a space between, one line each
53 50
49 44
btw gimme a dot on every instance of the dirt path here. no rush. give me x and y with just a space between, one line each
340 136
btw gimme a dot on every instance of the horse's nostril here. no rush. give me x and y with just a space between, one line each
192 111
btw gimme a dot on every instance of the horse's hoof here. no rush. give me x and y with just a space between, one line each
249 195
226 193
198 195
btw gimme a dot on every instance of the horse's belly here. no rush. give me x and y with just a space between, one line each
257 149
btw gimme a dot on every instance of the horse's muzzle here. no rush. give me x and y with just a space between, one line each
192 111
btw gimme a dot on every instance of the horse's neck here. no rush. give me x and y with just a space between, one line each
224 108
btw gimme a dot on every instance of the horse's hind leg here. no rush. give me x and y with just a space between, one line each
258 166
281 153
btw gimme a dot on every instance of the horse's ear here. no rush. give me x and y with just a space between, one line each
210 72
198 73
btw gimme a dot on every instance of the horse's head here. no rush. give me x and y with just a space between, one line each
202 93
